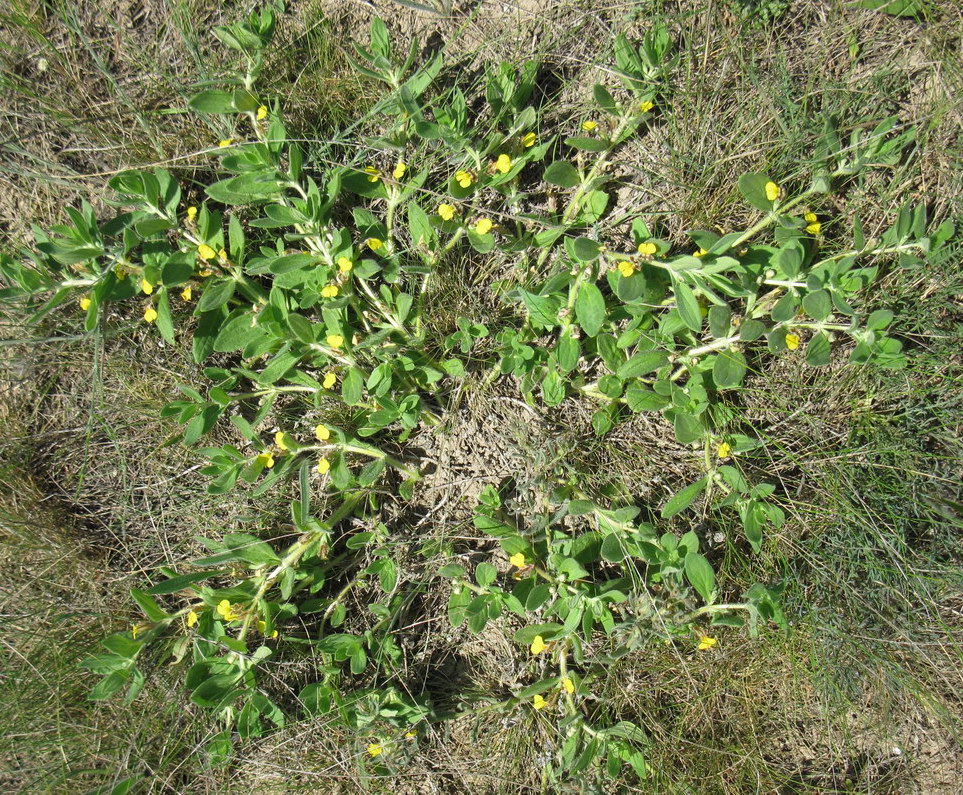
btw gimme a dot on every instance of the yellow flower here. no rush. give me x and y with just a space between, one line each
374 243
119 272
222 255
335 340
262 112
589 126
410 735
225 143
329 291
262 628
701 252
503 163
464 178
329 380
265 459
226 610
646 106
813 226
323 466
344 264
204 251
707 643
85 303
375 749
322 432
191 213
517 560
792 341
724 450
373 174
648 249
626 268
146 287
150 314
567 685
446 211
192 618
400 169
134 629
772 191
483 226
204 273
538 645
279 440
529 139
538 702
186 293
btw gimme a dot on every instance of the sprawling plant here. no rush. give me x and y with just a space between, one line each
301 288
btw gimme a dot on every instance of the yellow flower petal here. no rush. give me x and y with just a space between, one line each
186 294
374 243
446 211
538 702
400 169
589 126
648 249
626 268
538 645
375 749
724 450
701 252
330 379
192 618
322 432
567 685
85 303
814 228
150 314
503 163
646 106
464 178
266 460
262 112
517 560
792 341
529 139
373 174
134 629
205 251
329 291
146 287
772 191
344 264
225 143
191 213
810 218
707 643
483 226
335 340
279 440
323 466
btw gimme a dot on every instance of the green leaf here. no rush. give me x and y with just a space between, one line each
147 603
213 101
164 323
642 364
567 353
753 188
237 334
553 389
818 304
699 573
817 351
180 582
590 309
641 398
899 8
879 320
563 174
485 574
542 309
728 369
688 306
216 295
352 386
584 249
587 144
605 99
683 499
